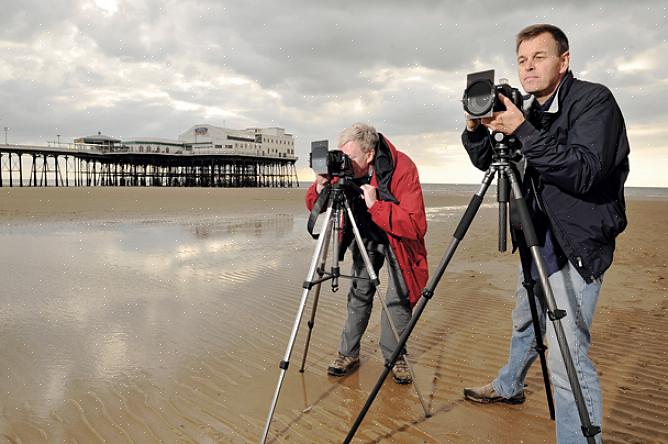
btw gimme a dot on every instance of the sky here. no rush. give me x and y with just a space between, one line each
154 68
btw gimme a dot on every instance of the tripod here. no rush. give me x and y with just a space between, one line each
501 165
331 230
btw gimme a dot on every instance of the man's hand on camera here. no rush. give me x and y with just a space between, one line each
321 180
472 124
370 195
507 121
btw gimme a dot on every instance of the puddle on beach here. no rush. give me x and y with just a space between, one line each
87 304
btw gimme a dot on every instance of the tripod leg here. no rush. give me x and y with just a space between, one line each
528 283
283 365
358 238
311 322
554 313
427 413
427 294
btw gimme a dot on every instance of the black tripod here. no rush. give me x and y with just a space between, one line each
501 165
331 230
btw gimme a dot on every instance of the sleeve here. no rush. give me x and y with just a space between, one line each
588 156
311 197
407 219
478 146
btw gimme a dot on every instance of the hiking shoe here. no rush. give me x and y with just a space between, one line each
343 365
400 372
487 395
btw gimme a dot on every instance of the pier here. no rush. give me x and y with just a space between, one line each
77 165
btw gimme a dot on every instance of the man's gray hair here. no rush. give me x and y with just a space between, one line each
361 133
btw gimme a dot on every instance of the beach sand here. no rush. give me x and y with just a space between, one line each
160 315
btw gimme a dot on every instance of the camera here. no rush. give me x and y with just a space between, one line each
481 96
334 163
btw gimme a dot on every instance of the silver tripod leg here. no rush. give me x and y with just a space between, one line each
317 255
358 238
372 275
316 297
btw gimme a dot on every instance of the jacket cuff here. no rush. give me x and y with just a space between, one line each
374 208
377 214
479 135
525 133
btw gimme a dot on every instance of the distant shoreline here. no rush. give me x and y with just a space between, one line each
95 203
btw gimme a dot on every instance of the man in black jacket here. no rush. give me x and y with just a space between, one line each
575 154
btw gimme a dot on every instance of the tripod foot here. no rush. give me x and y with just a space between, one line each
556 314
591 431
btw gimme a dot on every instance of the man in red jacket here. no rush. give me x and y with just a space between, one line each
392 222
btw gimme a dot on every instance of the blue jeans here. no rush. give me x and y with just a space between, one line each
578 298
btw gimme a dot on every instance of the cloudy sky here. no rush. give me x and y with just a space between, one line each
132 68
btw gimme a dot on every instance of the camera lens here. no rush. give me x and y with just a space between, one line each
479 98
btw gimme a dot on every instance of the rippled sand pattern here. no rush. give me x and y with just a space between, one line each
169 327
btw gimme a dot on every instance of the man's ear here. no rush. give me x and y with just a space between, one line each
371 155
565 62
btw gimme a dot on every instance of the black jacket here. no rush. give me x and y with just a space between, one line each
580 156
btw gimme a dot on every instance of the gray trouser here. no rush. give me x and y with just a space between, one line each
360 301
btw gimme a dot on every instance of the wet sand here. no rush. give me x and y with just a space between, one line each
160 315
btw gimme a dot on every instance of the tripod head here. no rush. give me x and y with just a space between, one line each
345 183
504 149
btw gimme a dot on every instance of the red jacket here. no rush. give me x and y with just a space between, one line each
405 223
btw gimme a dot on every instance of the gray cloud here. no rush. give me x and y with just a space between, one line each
156 67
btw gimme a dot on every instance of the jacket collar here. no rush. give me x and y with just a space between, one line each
384 163
562 90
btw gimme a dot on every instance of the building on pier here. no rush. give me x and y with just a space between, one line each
105 143
155 145
204 139
263 142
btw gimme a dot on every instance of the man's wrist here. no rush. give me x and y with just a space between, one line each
525 130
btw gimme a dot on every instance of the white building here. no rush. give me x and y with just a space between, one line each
155 145
265 142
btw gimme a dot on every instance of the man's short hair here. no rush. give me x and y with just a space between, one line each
361 133
535 30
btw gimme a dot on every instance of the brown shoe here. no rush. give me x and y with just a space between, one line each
343 365
487 395
400 372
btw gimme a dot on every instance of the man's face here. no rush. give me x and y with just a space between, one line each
360 159
540 66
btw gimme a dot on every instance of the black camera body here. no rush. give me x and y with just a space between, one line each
481 96
333 163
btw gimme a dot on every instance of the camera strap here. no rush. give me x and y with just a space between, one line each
318 208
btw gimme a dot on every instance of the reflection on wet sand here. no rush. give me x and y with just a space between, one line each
258 226
128 302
